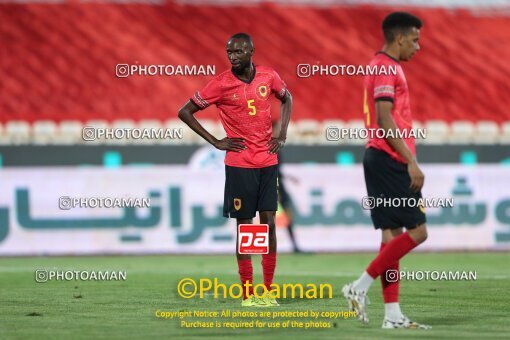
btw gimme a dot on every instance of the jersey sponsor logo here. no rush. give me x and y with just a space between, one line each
262 91
237 204
253 238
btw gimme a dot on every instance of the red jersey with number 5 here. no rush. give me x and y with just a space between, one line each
245 112
393 88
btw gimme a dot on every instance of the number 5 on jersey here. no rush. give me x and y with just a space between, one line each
251 106
366 110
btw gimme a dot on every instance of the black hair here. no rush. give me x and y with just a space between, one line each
243 36
399 22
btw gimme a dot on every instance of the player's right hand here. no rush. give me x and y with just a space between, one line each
417 176
230 144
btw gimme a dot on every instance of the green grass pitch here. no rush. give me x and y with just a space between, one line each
126 309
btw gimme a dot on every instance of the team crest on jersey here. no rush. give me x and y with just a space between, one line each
422 208
262 91
237 203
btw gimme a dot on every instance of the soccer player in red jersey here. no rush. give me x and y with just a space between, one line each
241 95
391 170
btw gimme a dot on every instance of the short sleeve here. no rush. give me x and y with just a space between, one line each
279 87
209 95
384 87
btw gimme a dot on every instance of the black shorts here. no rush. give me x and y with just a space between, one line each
250 190
387 178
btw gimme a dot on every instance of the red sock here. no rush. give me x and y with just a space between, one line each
391 253
246 274
389 289
268 266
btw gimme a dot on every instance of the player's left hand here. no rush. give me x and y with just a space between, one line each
275 144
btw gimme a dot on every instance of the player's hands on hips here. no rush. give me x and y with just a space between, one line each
417 176
275 144
230 144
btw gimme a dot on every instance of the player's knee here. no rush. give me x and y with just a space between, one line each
423 237
268 218
419 234
423 232
272 228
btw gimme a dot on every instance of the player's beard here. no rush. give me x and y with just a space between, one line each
241 68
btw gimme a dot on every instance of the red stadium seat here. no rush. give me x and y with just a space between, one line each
61 59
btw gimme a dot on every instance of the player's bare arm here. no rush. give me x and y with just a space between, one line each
276 143
187 115
386 122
